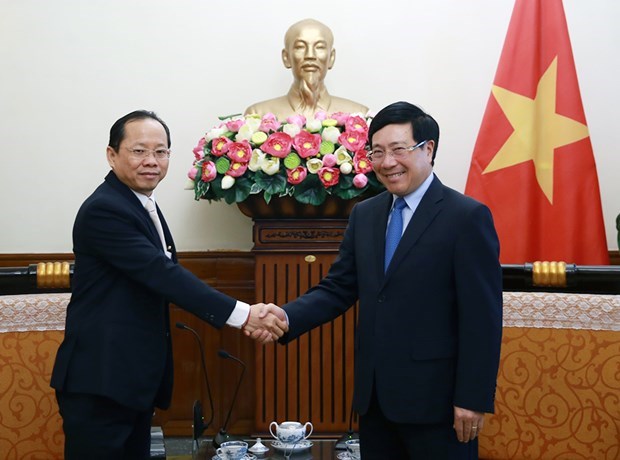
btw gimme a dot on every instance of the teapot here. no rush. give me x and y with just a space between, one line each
290 432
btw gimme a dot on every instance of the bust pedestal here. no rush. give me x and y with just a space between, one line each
310 379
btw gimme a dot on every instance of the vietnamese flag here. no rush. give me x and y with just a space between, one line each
533 163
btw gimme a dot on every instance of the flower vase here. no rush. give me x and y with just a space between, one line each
288 207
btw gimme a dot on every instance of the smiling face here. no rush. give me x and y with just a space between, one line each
140 174
403 175
308 51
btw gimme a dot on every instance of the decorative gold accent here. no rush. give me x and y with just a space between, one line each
55 275
310 258
551 274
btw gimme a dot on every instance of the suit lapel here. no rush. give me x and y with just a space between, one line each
167 235
143 214
425 213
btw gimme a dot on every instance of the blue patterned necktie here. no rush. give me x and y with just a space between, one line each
394 230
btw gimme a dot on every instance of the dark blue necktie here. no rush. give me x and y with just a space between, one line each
394 230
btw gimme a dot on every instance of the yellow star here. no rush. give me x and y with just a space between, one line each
538 130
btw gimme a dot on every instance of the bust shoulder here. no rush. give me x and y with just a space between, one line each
279 106
339 104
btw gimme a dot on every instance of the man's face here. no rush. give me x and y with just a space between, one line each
309 54
140 174
403 175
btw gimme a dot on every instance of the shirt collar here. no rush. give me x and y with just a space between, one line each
414 198
143 198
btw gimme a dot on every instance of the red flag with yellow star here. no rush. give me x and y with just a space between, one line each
533 163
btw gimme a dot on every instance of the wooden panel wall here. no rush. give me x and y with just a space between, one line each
310 379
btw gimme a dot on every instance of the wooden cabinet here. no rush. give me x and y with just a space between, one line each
310 379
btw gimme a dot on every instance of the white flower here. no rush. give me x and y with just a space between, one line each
342 155
314 125
257 159
346 168
216 132
253 123
227 182
291 129
270 165
313 165
331 134
244 134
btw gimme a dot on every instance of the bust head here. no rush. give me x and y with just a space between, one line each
308 52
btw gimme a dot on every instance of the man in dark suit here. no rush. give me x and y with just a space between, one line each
428 337
115 363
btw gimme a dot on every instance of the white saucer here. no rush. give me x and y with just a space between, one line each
344 456
247 456
292 447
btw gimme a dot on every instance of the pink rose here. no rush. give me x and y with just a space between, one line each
277 144
269 123
297 175
237 169
329 176
208 171
307 144
297 119
360 181
239 152
361 162
320 115
329 160
356 123
199 150
353 140
219 146
340 117
192 173
235 125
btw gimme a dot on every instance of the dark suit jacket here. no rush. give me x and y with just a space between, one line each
429 330
117 336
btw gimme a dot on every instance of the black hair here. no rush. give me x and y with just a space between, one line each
117 131
423 126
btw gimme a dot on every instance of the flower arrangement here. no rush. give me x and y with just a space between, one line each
305 159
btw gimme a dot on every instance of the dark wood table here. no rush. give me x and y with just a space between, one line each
321 449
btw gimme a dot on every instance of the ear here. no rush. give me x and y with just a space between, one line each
332 58
111 155
285 59
430 148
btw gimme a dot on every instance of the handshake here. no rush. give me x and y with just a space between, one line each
265 323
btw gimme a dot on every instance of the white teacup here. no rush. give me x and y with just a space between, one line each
290 432
232 450
353 447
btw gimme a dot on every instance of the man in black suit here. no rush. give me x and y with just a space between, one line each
115 363
428 338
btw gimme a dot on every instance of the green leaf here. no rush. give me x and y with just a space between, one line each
310 191
238 192
255 188
200 189
274 185
351 193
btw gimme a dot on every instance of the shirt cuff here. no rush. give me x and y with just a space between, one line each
239 315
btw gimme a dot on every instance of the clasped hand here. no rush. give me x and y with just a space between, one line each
266 323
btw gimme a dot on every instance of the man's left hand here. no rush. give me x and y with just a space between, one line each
467 423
